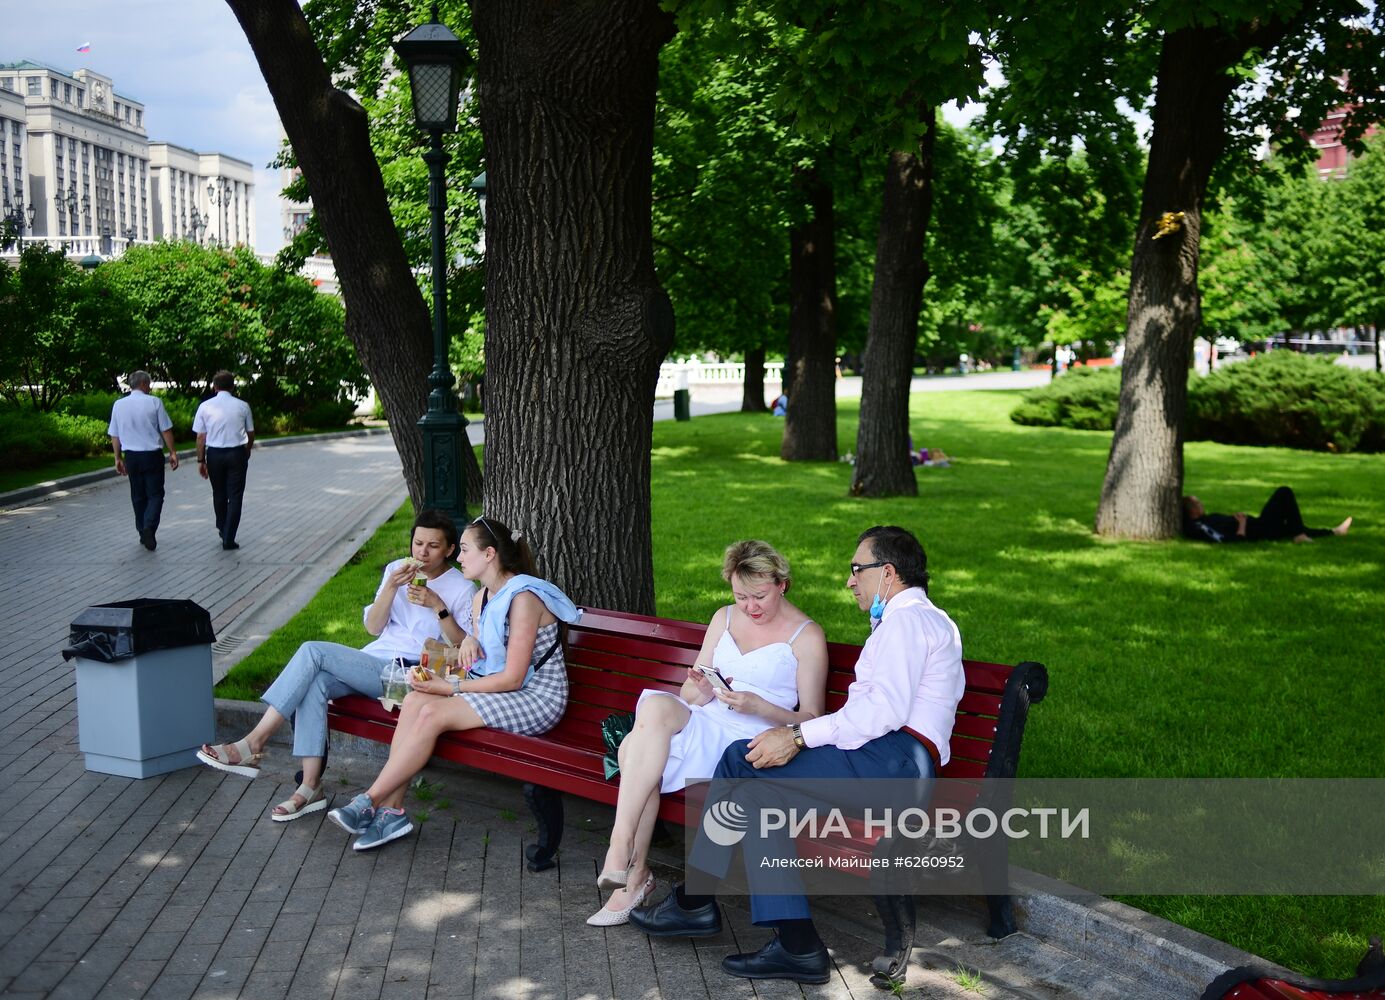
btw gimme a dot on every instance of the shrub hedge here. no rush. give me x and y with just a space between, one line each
77 428
29 438
1085 399
1282 398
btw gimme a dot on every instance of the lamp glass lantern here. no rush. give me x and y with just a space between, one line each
436 60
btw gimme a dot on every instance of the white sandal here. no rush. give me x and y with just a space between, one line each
214 755
613 918
314 799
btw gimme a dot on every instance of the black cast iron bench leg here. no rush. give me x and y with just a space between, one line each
547 807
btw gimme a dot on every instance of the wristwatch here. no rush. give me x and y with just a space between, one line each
456 683
444 613
798 737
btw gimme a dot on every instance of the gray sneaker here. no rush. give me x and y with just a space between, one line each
388 825
356 816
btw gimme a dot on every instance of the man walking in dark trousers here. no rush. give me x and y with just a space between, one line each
225 434
139 428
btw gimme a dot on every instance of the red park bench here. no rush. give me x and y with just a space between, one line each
612 656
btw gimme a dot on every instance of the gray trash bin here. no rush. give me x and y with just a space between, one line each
144 685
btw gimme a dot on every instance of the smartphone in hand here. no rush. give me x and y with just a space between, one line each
714 677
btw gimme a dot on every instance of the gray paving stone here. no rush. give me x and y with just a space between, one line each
88 976
174 986
132 979
191 958
157 945
268 984
406 975
278 956
242 942
39 977
227 972
360 982
316 977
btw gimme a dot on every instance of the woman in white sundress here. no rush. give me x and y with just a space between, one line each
775 660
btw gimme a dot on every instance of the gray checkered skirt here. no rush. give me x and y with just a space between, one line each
539 704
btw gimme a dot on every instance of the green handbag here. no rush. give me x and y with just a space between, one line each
614 728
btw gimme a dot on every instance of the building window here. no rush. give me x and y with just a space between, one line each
67 92
81 97
53 88
34 85
7 83
139 118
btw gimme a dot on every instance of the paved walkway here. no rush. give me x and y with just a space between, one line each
179 886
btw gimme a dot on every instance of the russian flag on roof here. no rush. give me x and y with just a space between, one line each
84 47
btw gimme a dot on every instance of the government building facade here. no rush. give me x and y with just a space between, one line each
77 169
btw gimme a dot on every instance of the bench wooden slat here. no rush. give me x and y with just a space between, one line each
618 664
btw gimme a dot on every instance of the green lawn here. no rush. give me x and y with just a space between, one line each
18 479
1165 660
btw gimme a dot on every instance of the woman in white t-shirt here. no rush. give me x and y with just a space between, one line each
402 617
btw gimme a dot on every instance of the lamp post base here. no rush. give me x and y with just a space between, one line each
444 476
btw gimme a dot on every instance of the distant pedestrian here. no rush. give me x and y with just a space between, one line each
138 422
225 435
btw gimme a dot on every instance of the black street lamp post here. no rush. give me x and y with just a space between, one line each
436 58
20 216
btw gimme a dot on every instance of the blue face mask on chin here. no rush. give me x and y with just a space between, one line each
877 607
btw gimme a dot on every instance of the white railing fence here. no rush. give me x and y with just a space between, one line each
683 375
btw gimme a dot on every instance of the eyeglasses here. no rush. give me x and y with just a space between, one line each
481 520
858 568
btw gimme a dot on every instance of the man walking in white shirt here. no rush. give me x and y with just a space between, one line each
892 733
139 428
225 434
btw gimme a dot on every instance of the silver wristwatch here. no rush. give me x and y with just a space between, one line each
456 683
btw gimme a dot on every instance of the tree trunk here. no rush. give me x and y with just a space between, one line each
576 322
810 424
753 385
884 465
386 317
1144 473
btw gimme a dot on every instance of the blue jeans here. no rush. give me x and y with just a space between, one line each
146 473
319 672
778 894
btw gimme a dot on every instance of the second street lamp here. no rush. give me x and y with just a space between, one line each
436 59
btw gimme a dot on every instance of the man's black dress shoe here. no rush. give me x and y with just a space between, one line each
773 962
146 538
667 919
228 546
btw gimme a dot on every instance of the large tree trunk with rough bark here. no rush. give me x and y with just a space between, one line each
1144 473
753 385
576 322
884 466
386 317
810 424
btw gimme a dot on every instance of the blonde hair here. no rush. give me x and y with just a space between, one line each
753 559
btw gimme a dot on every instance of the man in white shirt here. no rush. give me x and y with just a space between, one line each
895 726
139 428
225 434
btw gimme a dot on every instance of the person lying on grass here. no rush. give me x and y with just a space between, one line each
402 617
1279 519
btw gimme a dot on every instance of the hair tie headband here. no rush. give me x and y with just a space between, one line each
515 536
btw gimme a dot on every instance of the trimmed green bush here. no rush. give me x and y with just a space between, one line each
29 438
1085 399
1282 398
1291 400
